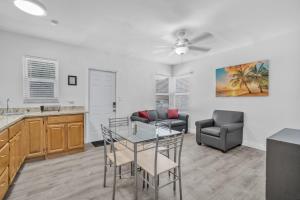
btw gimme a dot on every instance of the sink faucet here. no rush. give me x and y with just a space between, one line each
7 106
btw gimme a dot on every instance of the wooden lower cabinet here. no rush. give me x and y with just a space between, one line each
36 137
4 157
29 138
56 138
4 183
64 133
75 135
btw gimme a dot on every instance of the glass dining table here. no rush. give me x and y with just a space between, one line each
138 134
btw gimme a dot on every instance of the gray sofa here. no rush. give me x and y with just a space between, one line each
161 118
224 131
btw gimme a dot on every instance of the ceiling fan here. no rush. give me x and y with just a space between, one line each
183 44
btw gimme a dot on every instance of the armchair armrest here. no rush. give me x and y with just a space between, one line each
232 126
140 119
204 123
183 116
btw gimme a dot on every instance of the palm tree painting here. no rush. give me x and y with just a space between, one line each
250 79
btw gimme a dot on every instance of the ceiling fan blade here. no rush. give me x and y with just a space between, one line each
204 49
162 46
201 37
157 51
172 53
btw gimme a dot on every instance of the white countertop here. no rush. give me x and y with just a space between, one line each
7 121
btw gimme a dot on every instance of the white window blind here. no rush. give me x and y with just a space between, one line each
182 85
40 80
162 85
162 92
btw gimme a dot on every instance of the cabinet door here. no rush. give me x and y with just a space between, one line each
18 156
24 144
3 183
75 135
12 159
56 138
36 137
4 157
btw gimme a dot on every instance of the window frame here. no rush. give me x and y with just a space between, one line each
26 81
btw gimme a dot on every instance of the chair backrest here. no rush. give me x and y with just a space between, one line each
169 144
222 117
118 121
108 140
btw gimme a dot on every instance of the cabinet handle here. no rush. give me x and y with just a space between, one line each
3 156
2 140
2 184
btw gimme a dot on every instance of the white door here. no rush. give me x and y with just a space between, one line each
102 102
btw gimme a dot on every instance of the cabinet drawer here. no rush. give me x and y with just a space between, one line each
3 183
3 137
15 129
65 119
4 152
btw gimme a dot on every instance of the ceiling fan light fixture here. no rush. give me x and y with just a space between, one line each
32 7
181 50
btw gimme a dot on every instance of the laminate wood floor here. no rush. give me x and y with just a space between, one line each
207 174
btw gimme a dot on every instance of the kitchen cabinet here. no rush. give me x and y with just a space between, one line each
3 183
36 137
64 133
56 138
75 135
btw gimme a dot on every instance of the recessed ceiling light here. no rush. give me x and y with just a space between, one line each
32 7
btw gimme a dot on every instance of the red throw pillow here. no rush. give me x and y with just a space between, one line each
173 113
143 114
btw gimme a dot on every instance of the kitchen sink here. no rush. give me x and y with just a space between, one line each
12 113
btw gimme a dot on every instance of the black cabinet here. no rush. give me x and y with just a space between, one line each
283 165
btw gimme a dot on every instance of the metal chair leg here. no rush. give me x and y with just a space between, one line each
144 176
147 180
174 177
105 171
180 186
155 188
114 185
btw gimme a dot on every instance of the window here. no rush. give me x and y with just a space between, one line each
162 92
40 80
181 96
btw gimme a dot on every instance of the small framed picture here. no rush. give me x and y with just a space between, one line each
72 80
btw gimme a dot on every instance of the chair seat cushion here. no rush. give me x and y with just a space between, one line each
174 122
123 157
146 161
213 131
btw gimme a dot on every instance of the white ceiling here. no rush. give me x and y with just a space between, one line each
137 27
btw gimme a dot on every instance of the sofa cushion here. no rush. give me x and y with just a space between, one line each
213 131
143 114
152 115
173 113
162 114
174 122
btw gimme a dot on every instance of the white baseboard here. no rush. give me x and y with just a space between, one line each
192 130
255 145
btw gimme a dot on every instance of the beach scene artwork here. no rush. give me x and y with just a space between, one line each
250 79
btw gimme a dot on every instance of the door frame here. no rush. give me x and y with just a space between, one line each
89 92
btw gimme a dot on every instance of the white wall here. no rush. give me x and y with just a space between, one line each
263 115
135 78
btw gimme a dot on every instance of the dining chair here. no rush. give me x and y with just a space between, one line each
116 158
154 163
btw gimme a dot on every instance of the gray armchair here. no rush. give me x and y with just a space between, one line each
224 131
